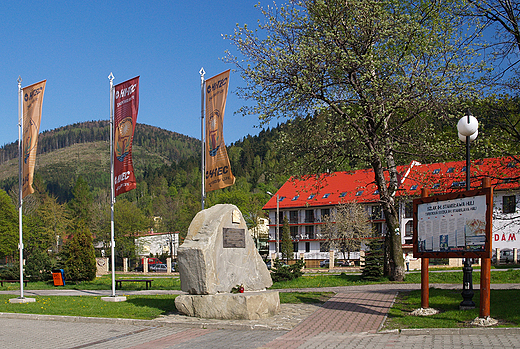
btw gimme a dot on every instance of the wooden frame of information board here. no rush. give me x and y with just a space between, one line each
465 218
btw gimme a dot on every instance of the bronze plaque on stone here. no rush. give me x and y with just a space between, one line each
234 238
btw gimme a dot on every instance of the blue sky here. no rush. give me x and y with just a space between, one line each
75 45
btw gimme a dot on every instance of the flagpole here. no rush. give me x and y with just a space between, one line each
112 197
20 175
203 166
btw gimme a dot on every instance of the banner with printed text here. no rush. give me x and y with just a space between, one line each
126 105
218 169
32 114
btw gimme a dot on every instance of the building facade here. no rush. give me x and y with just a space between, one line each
305 202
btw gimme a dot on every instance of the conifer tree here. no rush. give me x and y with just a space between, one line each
79 255
287 245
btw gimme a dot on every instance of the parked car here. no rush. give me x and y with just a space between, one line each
506 256
151 261
338 263
160 268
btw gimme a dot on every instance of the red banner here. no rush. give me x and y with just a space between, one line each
126 105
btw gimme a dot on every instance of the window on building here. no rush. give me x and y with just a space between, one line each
326 195
294 232
342 195
450 170
325 212
437 171
408 233
377 228
307 246
413 187
281 199
436 185
376 192
311 197
408 210
293 217
377 213
295 198
309 231
309 216
509 204
295 247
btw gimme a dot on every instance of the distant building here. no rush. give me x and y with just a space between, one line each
157 244
306 201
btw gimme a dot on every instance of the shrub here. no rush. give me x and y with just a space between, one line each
284 272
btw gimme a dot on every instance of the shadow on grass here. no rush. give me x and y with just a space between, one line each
166 305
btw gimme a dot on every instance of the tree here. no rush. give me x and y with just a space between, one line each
377 78
129 221
373 269
346 228
8 226
287 248
79 256
82 203
503 16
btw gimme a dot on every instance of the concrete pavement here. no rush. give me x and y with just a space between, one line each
351 319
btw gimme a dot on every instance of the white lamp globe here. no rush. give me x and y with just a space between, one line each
466 128
471 138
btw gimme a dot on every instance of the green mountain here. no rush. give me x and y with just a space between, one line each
83 149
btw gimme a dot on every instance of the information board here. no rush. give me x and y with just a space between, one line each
454 225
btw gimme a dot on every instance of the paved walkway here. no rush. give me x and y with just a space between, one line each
350 319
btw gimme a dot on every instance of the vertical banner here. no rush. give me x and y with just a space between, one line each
32 114
126 105
218 169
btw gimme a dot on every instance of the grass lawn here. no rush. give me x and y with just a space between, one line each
136 307
447 301
102 283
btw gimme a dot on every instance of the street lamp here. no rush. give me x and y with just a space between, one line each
277 247
468 131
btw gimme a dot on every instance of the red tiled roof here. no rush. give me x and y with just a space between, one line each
359 186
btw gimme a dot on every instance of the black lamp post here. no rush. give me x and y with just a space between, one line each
468 131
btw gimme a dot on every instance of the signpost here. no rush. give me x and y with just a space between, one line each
456 225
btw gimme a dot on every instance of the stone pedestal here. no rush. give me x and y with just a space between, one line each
218 256
230 306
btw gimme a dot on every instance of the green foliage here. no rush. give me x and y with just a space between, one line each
39 266
284 272
8 226
287 248
374 259
79 260
81 203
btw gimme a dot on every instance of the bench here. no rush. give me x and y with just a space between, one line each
12 281
119 282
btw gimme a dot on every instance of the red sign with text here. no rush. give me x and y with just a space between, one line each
126 105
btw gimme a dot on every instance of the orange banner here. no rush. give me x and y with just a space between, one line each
32 114
218 169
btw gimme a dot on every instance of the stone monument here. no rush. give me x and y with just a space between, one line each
217 257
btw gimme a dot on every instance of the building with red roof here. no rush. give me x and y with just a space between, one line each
304 201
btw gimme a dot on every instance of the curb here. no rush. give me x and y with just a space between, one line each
456 331
144 323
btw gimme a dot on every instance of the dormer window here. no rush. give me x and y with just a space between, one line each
450 170
342 195
359 193
437 171
436 186
326 195
295 198
311 197
414 187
